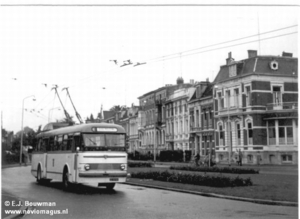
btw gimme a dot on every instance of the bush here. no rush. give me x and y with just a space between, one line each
176 156
216 169
139 156
201 180
139 164
10 158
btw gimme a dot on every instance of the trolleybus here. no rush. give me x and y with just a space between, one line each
81 154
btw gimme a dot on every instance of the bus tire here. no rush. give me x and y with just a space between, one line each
65 179
39 175
110 186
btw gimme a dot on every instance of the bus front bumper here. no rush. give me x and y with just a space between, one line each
103 175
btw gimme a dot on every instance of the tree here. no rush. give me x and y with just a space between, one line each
91 117
117 108
66 120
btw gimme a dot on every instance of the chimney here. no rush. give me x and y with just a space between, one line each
229 60
252 53
287 54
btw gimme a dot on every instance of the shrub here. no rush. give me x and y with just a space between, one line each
201 180
139 164
216 169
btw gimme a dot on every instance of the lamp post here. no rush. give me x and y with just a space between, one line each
21 145
50 111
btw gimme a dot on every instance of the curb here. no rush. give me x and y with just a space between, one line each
213 195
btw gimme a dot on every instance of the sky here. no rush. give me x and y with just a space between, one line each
71 46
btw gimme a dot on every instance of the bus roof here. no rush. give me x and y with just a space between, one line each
88 128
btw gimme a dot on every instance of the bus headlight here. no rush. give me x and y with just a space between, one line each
123 166
86 166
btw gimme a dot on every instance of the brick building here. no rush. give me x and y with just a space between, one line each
256 109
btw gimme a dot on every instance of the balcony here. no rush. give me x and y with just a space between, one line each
282 106
169 137
195 129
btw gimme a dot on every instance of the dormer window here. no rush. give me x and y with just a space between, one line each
274 65
232 70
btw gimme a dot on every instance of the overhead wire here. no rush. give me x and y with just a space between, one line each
216 44
229 46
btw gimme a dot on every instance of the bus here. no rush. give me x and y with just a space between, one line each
81 154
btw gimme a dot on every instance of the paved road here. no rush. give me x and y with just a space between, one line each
131 201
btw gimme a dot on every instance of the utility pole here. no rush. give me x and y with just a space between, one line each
229 131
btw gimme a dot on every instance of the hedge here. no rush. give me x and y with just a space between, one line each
216 169
194 179
139 164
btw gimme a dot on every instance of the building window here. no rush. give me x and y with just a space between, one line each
277 96
197 118
236 97
205 119
221 136
232 70
287 158
250 158
220 101
285 131
210 118
238 134
272 132
228 97
221 157
192 120
249 133
248 96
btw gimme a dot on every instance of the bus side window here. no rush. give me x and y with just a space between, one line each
44 145
59 142
69 142
77 142
38 148
64 143
55 144
51 143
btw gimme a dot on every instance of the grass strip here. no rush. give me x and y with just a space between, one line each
194 179
216 169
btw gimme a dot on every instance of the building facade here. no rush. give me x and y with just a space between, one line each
177 118
256 109
202 119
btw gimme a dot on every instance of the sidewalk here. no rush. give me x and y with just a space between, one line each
8 198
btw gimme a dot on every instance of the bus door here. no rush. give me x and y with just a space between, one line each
43 156
76 143
52 157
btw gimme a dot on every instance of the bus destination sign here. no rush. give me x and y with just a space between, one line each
104 129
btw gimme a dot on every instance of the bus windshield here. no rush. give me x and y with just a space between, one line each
104 140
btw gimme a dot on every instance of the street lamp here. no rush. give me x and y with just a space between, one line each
21 145
50 111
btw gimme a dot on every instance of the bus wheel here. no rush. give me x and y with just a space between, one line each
39 175
110 186
66 183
